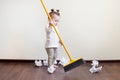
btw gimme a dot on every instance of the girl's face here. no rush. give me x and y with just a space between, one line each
55 19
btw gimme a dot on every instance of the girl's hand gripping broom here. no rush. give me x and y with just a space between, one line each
73 63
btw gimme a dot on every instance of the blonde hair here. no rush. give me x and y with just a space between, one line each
53 12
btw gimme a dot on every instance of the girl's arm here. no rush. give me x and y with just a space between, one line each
60 42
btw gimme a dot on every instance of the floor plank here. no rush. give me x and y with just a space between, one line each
28 71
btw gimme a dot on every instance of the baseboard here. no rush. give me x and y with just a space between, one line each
16 60
105 61
30 61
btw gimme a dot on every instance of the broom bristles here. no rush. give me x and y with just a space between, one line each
74 64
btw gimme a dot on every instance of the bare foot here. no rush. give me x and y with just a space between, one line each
55 66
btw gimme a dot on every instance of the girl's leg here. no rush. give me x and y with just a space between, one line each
50 52
55 56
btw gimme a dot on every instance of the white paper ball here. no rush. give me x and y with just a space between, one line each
38 63
55 62
45 62
64 61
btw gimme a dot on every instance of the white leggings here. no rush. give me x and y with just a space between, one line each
52 55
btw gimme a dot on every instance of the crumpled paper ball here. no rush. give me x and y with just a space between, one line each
45 62
38 63
64 61
95 63
55 62
95 67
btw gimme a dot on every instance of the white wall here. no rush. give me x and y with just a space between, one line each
89 28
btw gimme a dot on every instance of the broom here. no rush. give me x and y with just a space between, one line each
73 63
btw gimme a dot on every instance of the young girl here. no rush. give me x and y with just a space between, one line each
52 41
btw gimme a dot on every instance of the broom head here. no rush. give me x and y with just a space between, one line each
73 64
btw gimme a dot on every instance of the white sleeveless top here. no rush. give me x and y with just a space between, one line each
52 39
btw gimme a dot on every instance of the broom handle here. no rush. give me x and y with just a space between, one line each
56 31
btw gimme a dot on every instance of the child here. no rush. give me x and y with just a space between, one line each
52 40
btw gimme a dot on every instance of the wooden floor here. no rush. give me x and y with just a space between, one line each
27 71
